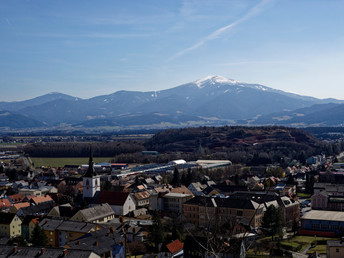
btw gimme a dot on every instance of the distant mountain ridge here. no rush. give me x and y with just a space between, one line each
213 100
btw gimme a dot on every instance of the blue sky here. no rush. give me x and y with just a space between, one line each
89 48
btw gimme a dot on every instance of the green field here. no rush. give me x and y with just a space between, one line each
61 162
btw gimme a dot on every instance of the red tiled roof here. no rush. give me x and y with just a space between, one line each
16 197
113 198
21 205
5 203
175 246
40 199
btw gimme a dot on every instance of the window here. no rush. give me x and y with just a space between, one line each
50 233
239 213
337 250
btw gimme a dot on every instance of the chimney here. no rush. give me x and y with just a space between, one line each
42 251
15 248
78 242
65 251
112 230
96 243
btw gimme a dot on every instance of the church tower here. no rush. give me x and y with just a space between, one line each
91 181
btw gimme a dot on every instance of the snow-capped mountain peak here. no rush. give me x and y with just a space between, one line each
211 80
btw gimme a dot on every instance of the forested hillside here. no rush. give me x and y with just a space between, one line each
246 145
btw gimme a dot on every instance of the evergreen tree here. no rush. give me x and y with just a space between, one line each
156 233
295 227
176 178
38 237
19 240
309 184
189 177
271 222
183 180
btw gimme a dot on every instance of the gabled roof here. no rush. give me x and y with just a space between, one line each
100 241
50 224
16 198
76 226
181 189
37 209
5 203
6 218
97 212
175 246
21 205
30 251
113 198
41 199
141 195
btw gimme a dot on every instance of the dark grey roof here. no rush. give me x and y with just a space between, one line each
50 224
39 209
24 252
100 241
335 243
76 226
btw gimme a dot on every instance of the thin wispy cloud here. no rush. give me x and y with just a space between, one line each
8 22
217 33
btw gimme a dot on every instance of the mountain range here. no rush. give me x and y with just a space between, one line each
214 100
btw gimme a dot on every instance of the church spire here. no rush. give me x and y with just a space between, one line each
90 171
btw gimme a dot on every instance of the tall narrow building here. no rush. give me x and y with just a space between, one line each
91 181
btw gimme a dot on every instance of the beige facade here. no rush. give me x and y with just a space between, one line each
335 249
220 211
10 225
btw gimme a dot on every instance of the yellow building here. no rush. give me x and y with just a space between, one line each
10 225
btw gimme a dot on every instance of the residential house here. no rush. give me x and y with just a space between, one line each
17 206
71 230
319 200
97 214
173 202
197 188
30 251
335 249
210 191
42 199
121 202
28 225
50 228
36 210
27 191
173 249
5 204
16 198
142 198
289 208
208 211
104 242
10 225
64 211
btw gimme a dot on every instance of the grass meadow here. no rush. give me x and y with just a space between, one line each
62 161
